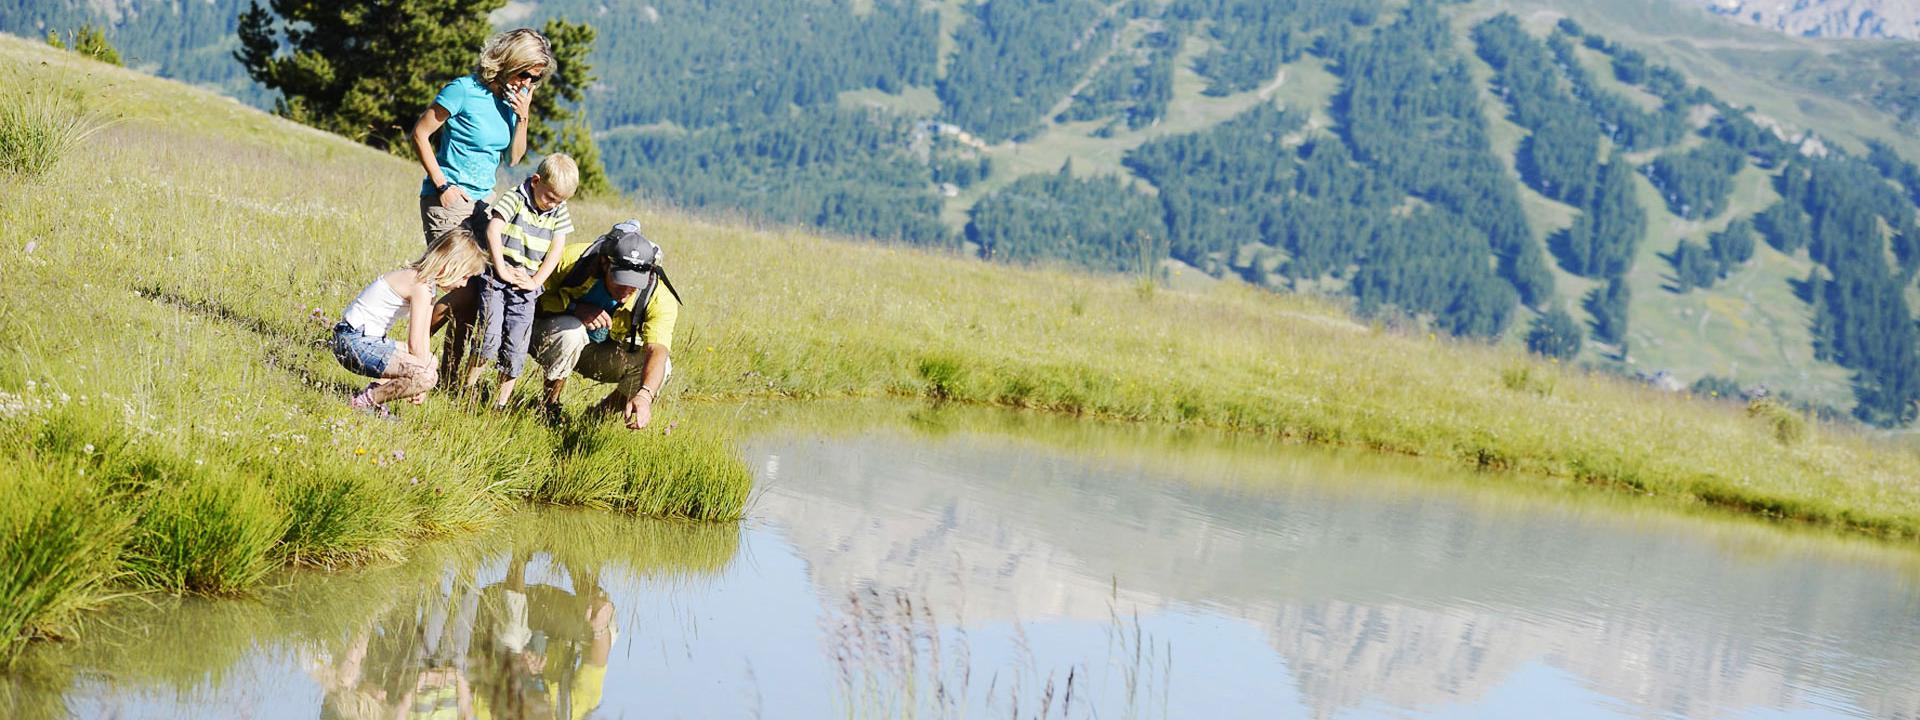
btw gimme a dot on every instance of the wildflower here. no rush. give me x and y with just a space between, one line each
88 449
64 398
359 451
32 246
199 461
399 454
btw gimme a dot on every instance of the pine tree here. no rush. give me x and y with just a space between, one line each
559 124
1693 266
1733 246
574 140
362 70
1608 305
366 70
1554 335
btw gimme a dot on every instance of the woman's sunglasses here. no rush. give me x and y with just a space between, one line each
530 76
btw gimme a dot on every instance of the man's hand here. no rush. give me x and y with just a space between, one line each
639 410
593 318
418 399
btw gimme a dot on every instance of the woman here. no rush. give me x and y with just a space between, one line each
479 117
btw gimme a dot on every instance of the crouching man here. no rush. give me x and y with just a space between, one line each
607 312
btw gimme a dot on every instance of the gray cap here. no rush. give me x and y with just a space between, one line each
632 254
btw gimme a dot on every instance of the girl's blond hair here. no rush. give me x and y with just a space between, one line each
511 52
454 256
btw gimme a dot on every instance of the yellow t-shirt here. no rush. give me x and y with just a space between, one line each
663 309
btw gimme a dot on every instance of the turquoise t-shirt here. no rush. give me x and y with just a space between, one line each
478 130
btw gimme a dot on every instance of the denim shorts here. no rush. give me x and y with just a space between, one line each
362 353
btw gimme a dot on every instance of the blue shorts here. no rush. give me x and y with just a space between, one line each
362 353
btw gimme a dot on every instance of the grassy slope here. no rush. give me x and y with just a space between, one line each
160 366
291 220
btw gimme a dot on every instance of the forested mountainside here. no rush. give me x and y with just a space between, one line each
1672 191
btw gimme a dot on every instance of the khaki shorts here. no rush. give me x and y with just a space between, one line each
436 220
561 346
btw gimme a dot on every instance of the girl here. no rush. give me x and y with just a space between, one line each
360 341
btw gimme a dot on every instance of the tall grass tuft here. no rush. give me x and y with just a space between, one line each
39 127
213 535
340 518
1786 425
693 473
59 547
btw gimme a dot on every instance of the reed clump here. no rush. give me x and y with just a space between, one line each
58 551
211 534
692 472
39 127
1787 425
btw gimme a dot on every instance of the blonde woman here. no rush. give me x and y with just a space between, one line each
482 120
360 340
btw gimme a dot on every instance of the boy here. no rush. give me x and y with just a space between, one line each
526 230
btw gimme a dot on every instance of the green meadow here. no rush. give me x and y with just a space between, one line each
170 422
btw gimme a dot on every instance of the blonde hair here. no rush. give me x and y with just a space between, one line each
511 52
453 256
560 172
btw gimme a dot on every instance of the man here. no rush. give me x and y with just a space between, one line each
608 313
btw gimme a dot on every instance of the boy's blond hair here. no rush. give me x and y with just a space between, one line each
560 172
511 52
455 255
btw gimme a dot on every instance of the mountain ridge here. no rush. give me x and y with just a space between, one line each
1851 19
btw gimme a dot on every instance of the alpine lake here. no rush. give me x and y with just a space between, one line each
907 560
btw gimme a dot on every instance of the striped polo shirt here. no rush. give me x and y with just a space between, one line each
528 232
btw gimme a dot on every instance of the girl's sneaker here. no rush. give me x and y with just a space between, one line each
364 403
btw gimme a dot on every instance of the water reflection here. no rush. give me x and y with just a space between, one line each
1373 584
517 624
952 563
504 649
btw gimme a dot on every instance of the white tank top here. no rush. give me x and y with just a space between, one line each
376 309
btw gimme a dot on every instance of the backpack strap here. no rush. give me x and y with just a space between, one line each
639 317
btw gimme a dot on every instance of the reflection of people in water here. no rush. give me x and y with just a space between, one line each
511 650
547 648
411 663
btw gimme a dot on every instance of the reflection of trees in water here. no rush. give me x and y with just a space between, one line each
510 649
